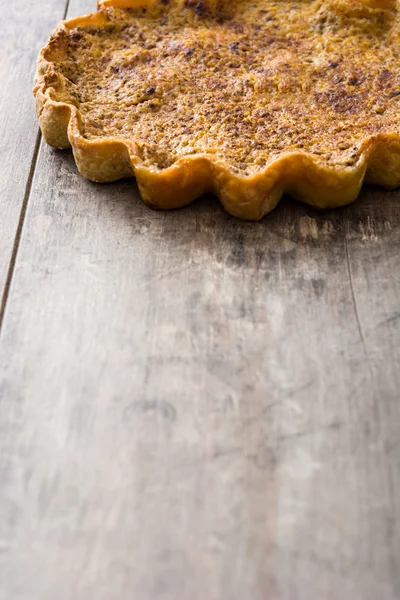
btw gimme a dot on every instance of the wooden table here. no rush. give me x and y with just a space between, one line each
192 407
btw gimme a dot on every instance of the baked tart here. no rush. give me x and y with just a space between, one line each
245 99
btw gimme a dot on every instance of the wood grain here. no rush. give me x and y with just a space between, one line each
194 405
198 407
25 27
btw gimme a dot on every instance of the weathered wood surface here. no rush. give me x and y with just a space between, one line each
198 407
25 26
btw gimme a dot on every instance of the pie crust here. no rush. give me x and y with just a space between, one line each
245 99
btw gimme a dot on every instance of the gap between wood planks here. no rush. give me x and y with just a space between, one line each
21 220
20 226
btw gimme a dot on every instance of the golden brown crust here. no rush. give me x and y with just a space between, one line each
249 196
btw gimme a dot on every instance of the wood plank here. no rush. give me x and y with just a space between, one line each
25 27
194 406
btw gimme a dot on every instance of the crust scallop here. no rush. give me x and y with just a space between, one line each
301 112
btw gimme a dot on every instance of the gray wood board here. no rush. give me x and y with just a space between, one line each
25 27
195 406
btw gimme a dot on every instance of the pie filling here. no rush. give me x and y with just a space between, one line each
246 81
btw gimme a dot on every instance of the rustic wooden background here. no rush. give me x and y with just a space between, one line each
192 407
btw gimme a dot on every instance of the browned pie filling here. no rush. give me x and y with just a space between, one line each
245 81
